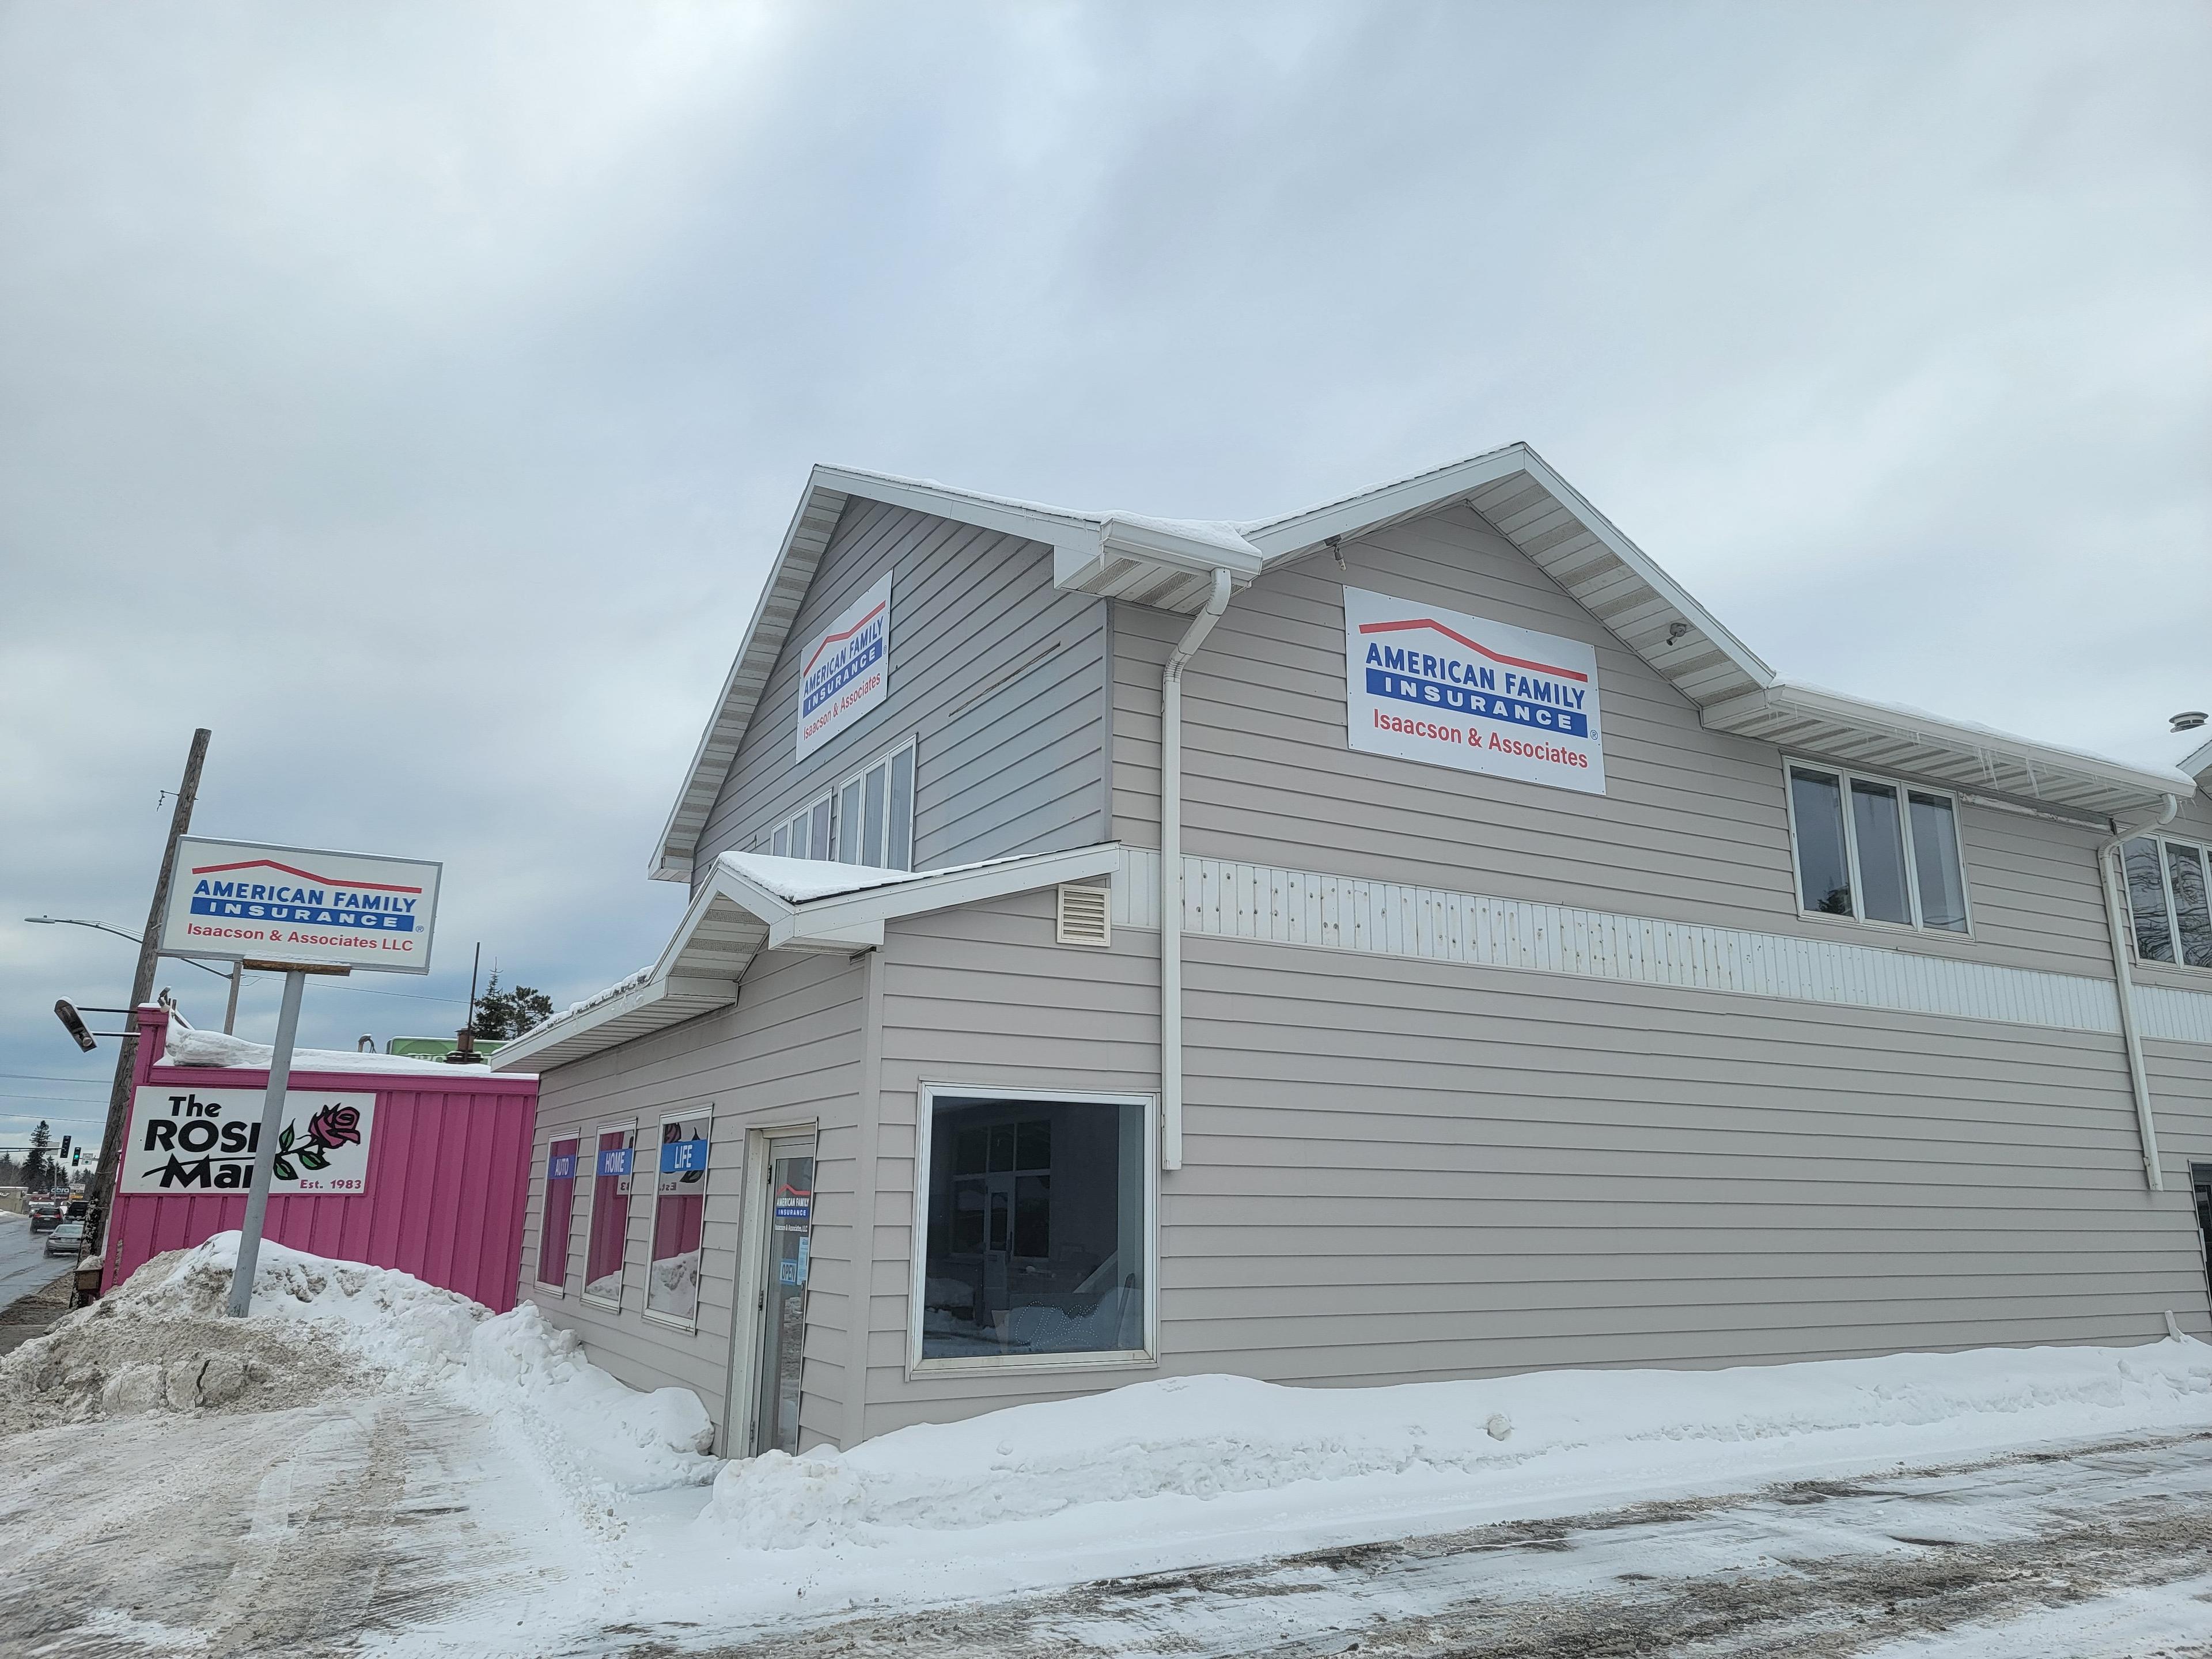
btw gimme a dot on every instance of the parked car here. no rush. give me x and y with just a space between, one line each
66 1239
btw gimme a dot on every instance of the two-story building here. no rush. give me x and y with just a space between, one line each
1409 938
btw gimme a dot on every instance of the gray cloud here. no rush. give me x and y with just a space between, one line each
414 394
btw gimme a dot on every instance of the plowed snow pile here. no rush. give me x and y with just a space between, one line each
1223 1452
322 1329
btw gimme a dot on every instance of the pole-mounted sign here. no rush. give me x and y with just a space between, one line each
292 908
302 912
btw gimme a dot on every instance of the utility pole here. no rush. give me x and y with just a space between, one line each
142 987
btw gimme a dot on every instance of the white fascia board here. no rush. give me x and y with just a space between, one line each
1653 577
673 861
828 923
1030 521
2198 761
688 998
1734 713
1285 538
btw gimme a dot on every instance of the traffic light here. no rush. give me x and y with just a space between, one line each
66 1144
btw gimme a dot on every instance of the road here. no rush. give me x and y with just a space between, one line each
369 1524
2095 1552
24 1263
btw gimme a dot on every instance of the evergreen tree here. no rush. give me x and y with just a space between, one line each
505 1014
39 1167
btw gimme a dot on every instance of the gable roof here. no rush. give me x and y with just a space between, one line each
751 903
1168 563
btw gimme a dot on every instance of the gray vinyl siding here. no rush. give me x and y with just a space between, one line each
1693 825
1002 678
1403 1171
785 1055
982 995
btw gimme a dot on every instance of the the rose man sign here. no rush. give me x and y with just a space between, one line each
202 1140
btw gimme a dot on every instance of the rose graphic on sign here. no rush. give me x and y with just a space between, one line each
328 1130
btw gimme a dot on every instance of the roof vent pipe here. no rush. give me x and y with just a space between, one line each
2189 720
1171 870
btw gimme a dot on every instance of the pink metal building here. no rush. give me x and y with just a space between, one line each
448 1169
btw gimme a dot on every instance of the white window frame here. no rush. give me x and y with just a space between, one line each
886 762
1122 1359
1905 792
691 1114
583 1292
2165 887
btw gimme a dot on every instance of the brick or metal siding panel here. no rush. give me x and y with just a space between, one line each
786 1052
447 1168
1002 677
1693 824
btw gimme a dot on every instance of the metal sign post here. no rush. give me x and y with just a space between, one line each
298 912
264 1159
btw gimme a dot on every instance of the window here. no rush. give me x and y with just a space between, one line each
1875 850
1038 1236
867 819
559 1207
2167 895
610 1239
679 1207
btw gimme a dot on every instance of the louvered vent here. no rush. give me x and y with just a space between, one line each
1084 917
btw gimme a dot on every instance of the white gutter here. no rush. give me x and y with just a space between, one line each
2116 913
1171 870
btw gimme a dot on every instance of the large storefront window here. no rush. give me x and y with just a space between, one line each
560 1206
679 1208
610 1241
1037 1226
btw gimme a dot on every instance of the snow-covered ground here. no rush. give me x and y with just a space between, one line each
372 1463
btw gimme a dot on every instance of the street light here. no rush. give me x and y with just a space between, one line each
236 976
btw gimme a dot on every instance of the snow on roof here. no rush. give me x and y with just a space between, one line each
1216 533
190 1048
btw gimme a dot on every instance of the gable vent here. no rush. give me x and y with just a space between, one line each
1084 917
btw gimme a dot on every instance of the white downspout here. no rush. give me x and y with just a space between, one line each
1171 871
2116 914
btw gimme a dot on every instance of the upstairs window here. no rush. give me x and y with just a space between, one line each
1875 850
2167 889
867 819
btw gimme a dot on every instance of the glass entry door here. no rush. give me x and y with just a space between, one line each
786 1207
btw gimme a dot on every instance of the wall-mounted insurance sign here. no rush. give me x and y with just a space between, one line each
297 906
844 672
203 1140
1425 683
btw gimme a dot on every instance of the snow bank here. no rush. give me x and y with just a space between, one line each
322 1327
1163 1451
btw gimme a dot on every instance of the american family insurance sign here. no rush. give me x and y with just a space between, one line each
844 673
1429 684
287 904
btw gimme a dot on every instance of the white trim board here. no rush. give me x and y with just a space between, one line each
1227 899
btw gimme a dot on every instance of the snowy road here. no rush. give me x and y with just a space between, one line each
357 1525
24 1263
2099 1550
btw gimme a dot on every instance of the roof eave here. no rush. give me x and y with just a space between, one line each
685 981
1844 730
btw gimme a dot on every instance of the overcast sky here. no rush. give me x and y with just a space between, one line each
414 395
